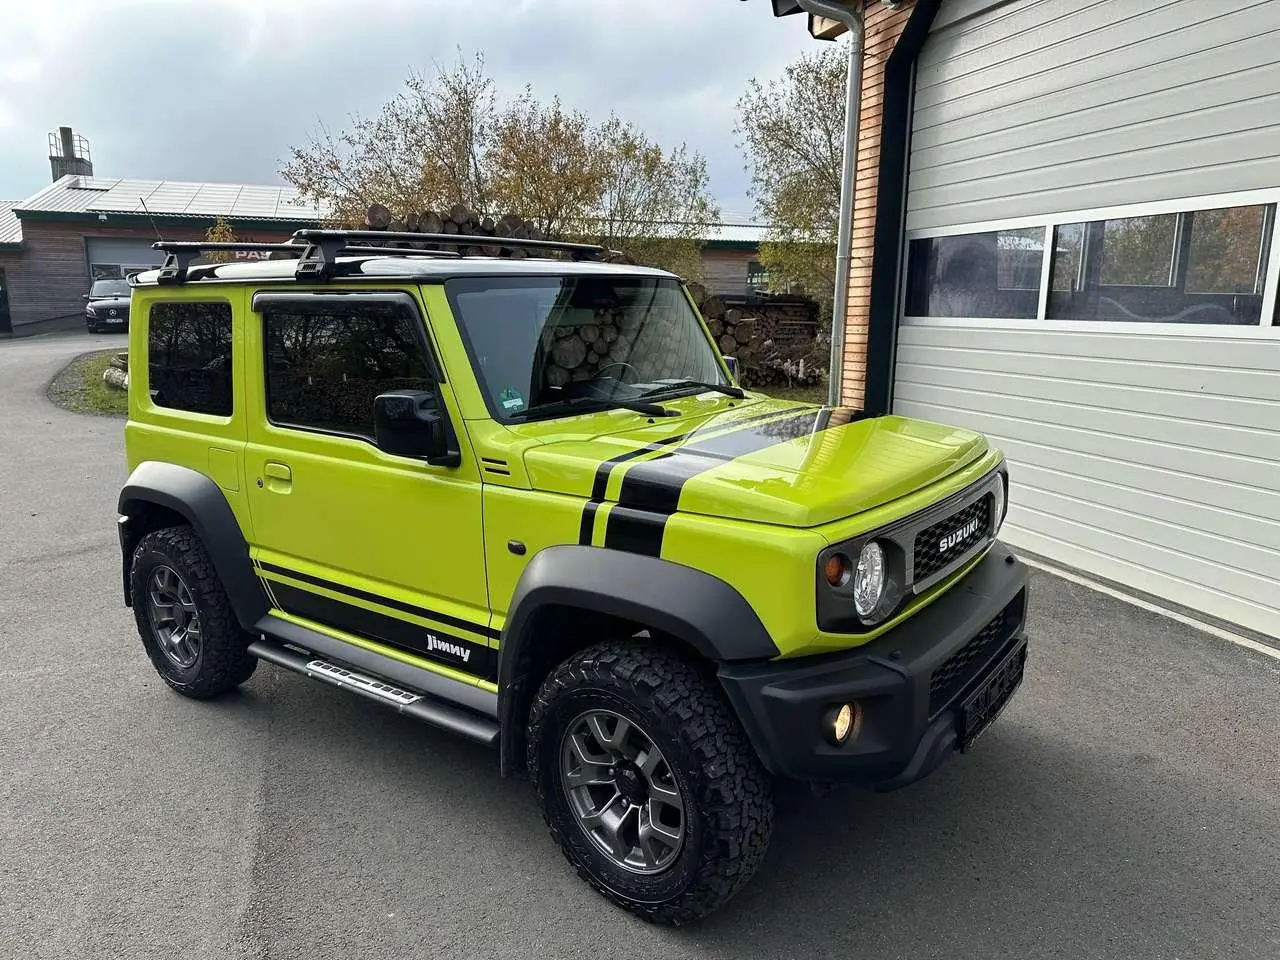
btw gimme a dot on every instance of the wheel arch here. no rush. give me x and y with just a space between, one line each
159 495
571 597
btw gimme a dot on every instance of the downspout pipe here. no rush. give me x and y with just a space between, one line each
851 17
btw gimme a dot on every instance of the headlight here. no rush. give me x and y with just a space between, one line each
998 506
90 311
869 579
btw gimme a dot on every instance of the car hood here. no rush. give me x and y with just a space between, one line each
107 303
769 461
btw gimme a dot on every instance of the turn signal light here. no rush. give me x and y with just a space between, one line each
836 569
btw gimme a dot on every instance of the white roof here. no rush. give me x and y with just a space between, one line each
10 227
73 194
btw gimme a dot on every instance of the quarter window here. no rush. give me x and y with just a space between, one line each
189 357
326 364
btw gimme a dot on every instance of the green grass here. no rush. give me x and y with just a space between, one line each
79 387
816 394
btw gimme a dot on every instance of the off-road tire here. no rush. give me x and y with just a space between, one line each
224 661
729 815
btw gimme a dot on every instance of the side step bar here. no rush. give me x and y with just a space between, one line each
480 729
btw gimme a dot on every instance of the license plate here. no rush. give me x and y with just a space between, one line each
982 706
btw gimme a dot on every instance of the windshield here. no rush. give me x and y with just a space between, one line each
109 288
538 341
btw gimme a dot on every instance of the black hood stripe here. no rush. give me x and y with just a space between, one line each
651 490
600 485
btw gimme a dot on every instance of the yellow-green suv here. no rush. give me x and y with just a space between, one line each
522 498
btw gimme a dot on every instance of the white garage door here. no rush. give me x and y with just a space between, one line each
1092 273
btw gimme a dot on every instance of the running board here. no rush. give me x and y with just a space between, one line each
480 729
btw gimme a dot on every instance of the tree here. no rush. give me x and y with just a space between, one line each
654 206
791 130
447 139
424 150
220 232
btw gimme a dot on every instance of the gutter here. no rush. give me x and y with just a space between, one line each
851 17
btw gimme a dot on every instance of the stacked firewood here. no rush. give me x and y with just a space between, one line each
459 220
765 357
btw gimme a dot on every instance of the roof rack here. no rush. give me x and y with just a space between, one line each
180 253
324 246
317 251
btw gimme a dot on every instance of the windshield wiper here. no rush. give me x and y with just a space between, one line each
727 389
582 404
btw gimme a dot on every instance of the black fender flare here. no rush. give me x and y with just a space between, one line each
201 502
693 606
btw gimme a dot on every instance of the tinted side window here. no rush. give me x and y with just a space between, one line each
325 365
994 274
189 357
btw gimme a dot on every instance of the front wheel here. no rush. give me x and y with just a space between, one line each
184 616
647 782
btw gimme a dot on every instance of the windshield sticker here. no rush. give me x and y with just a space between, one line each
511 400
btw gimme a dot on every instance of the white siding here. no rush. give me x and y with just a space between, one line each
1038 106
1150 460
1147 455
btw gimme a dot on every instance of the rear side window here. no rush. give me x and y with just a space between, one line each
189 357
327 363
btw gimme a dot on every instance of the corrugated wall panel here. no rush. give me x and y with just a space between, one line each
1154 461
1148 458
1043 105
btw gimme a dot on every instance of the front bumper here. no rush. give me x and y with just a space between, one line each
912 685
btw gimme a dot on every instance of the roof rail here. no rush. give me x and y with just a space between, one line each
323 246
180 253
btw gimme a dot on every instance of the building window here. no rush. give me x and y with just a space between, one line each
189 357
326 365
1204 267
757 277
994 274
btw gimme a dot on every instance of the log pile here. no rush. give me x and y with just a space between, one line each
608 338
768 351
117 372
458 220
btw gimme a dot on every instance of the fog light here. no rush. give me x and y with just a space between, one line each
841 722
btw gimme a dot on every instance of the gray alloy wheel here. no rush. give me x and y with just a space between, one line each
174 617
622 791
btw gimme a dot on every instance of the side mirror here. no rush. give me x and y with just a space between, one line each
413 423
84 297
732 364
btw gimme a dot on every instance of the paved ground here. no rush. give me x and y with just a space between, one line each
1125 806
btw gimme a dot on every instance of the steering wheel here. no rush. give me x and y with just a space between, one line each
635 376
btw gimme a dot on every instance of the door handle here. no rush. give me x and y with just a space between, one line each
279 476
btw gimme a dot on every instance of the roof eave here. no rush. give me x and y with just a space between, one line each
820 28
173 219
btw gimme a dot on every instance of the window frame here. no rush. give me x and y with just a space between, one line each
1268 327
314 301
157 409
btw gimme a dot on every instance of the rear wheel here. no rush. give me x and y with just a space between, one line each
184 617
647 781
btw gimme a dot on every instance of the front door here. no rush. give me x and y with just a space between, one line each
379 549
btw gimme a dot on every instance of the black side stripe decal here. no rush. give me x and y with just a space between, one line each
457 652
651 490
417 611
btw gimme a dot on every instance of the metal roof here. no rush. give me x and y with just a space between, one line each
173 198
420 268
240 201
10 226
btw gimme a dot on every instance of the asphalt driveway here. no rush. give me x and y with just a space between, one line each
1126 805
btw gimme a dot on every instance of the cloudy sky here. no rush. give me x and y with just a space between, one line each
220 89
